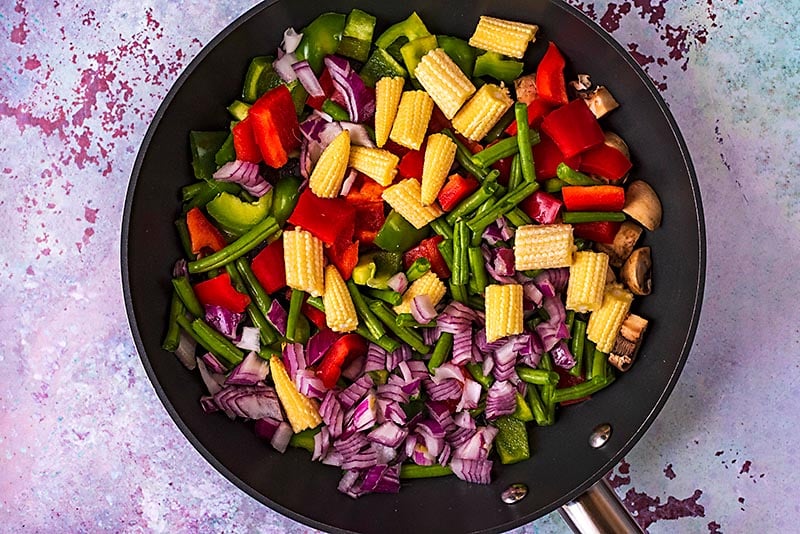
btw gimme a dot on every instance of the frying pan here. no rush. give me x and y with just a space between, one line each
562 465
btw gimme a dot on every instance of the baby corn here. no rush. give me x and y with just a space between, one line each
301 411
440 152
447 85
543 246
405 198
340 312
387 97
377 163
328 174
503 311
483 110
606 321
587 279
503 36
427 284
411 122
302 253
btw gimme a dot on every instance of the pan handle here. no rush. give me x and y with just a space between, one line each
599 511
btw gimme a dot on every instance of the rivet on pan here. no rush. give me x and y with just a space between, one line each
514 493
600 435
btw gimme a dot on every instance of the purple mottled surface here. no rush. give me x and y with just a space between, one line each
85 443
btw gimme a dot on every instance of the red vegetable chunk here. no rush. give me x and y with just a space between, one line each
536 112
593 197
346 349
244 142
606 161
599 231
202 233
369 220
411 164
456 189
541 207
269 268
547 156
330 219
550 82
573 128
275 126
344 255
218 291
428 248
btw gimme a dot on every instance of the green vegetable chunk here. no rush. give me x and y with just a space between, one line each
511 442
236 216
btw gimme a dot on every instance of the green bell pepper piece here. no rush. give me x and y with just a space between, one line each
413 51
357 36
298 94
337 112
411 28
459 51
305 439
512 440
379 377
204 147
260 78
238 110
381 64
523 411
236 216
285 198
494 65
399 235
321 38
375 269
226 152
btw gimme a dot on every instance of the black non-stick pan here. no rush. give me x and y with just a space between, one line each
563 465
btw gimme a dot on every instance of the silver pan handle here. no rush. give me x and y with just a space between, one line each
599 511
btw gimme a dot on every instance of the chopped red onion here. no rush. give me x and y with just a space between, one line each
531 292
462 346
322 444
447 371
555 310
186 350
309 384
446 390
250 339
278 317
470 396
504 261
473 471
354 369
422 309
392 392
291 40
376 358
308 79
280 441
245 174
332 414
265 428
461 435
214 381
213 364
398 282
500 400
385 455
252 370
283 66
388 434
548 334
397 356
347 184
355 392
394 413
223 320
319 344
249 402
364 415
464 419
361 460
294 358
562 356
360 100
359 135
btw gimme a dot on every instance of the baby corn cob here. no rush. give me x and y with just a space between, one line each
503 310
543 246
377 163
606 321
503 36
412 119
340 313
447 85
439 155
302 253
482 111
301 411
328 174
427 284
387 98
587 279
405 198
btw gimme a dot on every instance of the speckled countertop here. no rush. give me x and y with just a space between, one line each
86 445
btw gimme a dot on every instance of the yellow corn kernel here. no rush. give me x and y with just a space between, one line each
605 322
405 198
328 174
387 98
503 311
482 111
503 36
545 246
587 279
340 313
301 411
377 163
302 254
440 152
427 284
444 81
411 122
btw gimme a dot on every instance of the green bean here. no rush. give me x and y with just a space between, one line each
537 407
173 336
410 471
212 189
295 309
418 268
385 342
183 235
503 206
441 227
459 292
570 319
446 249
386 295
260 297
475 200
251 239
407 319
476 303
188 192
501 149
582 390
518 218
212 341
443 347
460 275
572 177
588 358
524 138
185 292
477 374
316 302
337 112
574 217
540 377
500 126
553 185
599 360
515 177
548 390
405 334
364 311
266 331
478 269
464 158
578 340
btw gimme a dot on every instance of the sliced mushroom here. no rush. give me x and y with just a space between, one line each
642 204
636 272
610 276
582 84
615 141
525 88
600 101
627 343
623 244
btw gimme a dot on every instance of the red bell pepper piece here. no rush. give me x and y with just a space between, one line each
599 231
550 82
536 112
275 126
202 233
547 156
397 150
605 161
364 189
593 197
244 142
541 207
410 165
326 82
314 315
573 127
369 220
343 351
218 291
329 219
566 380
438 121
269 268
428 248
344 255
456 189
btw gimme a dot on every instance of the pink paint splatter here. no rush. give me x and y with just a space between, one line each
647 510
20 32
745 467
614 13
714 528
669 473
32 63
90 214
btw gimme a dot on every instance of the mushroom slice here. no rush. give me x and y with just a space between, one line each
628 341
525 88
636 272
623 244
600 101
642 204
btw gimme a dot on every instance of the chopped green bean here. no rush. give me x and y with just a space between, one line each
574 217
501 149
570 176
553 185
295 309
364 312
537 407
446 249
418 268
524 139
503 206
173 336
461 237
213 341
440 351
477 373
599 360
407 335
500 126
183 235
464 158
406 319
518 218
316 302
578 340
385 342
588 358
411 471
476 303
476 199
515 177
387 295
477 268
459 292
441 227
251 239
548 390
540 377
582 390
185 292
